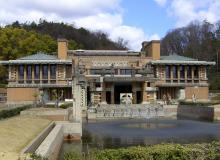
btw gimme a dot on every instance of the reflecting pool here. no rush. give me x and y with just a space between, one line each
125 133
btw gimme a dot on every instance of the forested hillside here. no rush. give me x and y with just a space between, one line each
200 40
17 40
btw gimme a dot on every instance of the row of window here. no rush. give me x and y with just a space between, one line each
182 69
36 72
109 71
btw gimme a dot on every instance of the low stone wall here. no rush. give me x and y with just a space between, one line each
35 143
71 131
50 147
134 111
170 111
216 112
197 112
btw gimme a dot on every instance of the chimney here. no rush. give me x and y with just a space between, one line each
152 49
62 48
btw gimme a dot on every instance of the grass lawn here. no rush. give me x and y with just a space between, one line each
17 132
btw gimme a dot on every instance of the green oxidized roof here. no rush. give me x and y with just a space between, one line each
39 56
176 57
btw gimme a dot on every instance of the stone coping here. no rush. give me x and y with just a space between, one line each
34 144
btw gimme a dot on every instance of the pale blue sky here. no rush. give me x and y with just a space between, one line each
148 15
133 20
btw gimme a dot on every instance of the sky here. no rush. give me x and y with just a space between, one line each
133 20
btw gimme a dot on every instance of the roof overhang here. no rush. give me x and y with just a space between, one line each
35 62
164 62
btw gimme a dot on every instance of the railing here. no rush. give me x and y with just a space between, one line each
99 89
40 82
151 89
128 111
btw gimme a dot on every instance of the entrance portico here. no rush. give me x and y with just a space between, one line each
114 92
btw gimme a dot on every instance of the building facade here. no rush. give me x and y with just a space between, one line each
108 76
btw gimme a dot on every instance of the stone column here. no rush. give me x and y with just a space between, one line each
178 73
25 74
17 73
171 74
185 70
103 93
192 73
32 73
48 73
40 67
56 73
145 97
134 93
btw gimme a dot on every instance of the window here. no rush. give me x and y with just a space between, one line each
53 71
196 72
175 74
68 71
21 73
125 71
116 71
29 73
189 72
182 72
97 85
37 73
95 71
168 72
45 73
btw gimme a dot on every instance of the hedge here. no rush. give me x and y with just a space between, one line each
12 112
206 151
199 104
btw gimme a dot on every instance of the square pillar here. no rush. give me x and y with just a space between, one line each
145 94
185 70
178 73
192 73
134 93
171 74
48 73
40 66
103 94
25 73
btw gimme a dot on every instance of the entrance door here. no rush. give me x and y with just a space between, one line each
121 88
108 97
139 97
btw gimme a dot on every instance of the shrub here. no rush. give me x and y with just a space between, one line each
37 157
66 105
206 151
199 104
12 112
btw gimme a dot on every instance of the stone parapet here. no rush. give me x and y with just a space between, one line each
50 147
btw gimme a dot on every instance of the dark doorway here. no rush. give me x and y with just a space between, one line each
108 97
88 96
139 97
121 88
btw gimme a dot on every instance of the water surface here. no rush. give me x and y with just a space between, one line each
131 132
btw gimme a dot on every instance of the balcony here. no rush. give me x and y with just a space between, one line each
98 89
40 83
151 89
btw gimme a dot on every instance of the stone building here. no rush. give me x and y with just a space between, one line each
108 76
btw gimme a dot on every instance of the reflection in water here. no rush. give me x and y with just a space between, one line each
148 125
125 133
